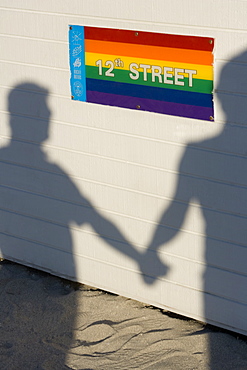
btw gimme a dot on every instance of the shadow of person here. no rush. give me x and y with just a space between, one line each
39 201
213 174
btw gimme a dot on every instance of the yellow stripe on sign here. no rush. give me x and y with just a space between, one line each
121 62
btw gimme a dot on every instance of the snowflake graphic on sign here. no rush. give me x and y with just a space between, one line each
76 38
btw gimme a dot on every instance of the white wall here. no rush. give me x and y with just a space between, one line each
109 174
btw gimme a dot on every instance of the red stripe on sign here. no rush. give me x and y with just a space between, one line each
149 38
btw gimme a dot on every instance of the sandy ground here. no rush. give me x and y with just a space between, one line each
50 323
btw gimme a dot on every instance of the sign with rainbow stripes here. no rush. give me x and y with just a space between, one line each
154 72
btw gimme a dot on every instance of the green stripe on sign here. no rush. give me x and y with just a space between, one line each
201 86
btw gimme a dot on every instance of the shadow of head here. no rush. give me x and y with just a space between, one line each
30 114
231 89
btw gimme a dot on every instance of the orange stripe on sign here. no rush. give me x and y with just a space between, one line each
150 52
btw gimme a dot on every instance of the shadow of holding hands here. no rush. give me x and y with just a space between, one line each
39 201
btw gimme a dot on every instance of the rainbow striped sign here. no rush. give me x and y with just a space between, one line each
161 73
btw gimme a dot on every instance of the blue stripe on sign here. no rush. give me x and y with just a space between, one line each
147 92
77 63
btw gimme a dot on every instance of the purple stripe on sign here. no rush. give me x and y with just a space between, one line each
156 106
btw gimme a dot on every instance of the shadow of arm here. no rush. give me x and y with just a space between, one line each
171 220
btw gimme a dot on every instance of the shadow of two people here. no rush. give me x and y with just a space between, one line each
212 171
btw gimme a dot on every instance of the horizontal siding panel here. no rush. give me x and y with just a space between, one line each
38 256
55 80
17 49
188 13
204 307
37 25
